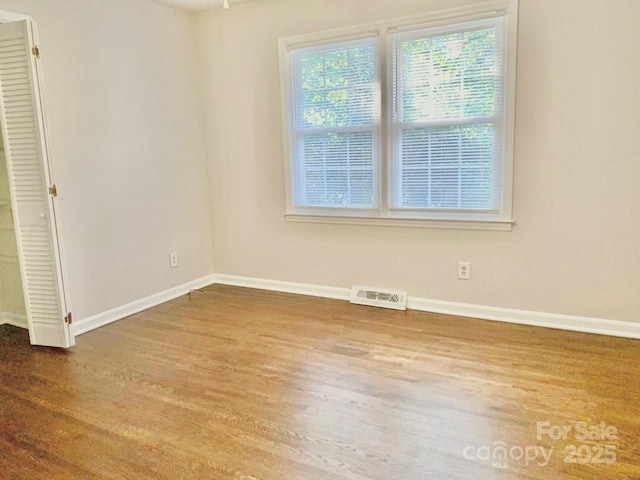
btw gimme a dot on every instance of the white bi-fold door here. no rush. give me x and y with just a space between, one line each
32 191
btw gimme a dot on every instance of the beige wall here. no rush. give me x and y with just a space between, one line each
121 86
11 296
576 247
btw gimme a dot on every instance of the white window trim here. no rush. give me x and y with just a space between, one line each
385 216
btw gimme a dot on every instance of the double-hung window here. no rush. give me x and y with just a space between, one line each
336 126
403 122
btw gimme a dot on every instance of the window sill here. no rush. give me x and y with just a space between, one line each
495 225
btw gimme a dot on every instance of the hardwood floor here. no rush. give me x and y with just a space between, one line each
244 384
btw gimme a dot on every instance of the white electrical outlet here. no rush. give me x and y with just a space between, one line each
173 259
464 270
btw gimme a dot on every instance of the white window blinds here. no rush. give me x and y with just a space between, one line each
411 124
336 126
448 119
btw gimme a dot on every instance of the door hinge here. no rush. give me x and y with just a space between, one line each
68 319
36 51
53 190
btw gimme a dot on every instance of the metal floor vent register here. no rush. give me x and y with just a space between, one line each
376 297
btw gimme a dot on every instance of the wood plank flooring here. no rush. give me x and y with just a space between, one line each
244 384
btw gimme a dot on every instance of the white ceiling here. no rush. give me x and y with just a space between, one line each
197 5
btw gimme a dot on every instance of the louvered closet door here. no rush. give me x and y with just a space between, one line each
28 169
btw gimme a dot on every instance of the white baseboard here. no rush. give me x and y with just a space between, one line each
574 323
336 293
600 326
86 325
10 318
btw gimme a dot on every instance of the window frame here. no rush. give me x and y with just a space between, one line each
384 215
